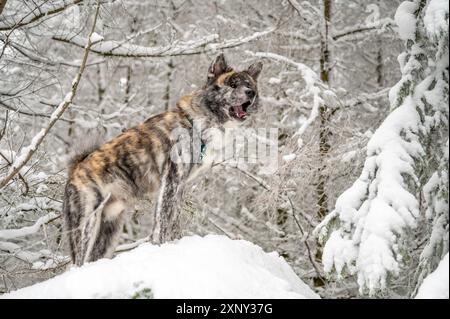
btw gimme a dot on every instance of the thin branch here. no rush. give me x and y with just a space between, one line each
177 48
296 6
3 131
355 31
310 256
378 25
32 17
28 152
8 107
27 188
126 247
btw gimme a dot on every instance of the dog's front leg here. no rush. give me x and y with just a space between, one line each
167 211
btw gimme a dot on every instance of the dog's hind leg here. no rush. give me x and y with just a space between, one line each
73 216
103 230
108 236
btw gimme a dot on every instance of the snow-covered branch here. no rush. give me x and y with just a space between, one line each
314 86
28 230
375 26
44 10
209 43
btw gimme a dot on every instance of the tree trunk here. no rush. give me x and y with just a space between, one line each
324 132
379 69
324 135
128 85
169 80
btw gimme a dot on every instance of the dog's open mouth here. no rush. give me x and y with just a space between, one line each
239 111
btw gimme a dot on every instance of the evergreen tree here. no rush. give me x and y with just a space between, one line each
375 231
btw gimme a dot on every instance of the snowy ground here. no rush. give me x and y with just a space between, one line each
193 267
435 285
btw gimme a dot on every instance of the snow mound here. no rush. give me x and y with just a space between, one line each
435 285
192 267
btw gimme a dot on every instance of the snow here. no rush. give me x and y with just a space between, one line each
435 285
436 17
192 267
22 157
95 37
289 157
27 230
274 81
339 253
406 20
349 156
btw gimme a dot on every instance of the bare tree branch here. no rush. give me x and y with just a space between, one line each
8 107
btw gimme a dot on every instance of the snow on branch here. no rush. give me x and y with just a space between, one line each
18 252
209 43
378 25
314 86
39 12
28 230
27 152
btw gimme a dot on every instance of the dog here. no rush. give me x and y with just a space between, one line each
104 182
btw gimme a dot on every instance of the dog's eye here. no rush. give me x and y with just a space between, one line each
234 83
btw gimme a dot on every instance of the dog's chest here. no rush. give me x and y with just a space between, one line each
212 152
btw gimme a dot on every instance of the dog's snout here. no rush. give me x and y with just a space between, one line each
250 93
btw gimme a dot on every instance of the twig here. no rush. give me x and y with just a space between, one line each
2 133
32 17
310 257
27 188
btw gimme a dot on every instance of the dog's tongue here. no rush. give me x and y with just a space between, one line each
240 112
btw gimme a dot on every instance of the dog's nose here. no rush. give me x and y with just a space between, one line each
250 93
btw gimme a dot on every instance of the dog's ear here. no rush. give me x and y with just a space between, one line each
218 67
254 70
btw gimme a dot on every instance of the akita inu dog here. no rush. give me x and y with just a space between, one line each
103 182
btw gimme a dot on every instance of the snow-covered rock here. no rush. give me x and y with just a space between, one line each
435 285
192 267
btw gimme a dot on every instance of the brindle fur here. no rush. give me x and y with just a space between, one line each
104 183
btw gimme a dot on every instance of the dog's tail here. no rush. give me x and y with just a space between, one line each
82 150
